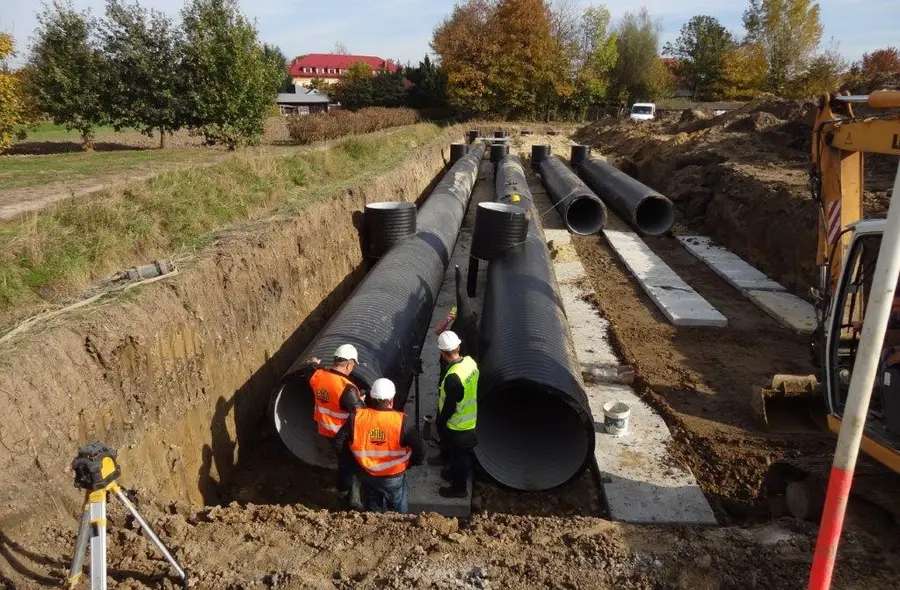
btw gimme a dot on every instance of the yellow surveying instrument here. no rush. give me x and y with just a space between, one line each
96 472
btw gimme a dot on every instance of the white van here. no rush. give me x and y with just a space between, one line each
643 111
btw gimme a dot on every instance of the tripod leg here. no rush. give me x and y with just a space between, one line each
81 543
97 511
156 540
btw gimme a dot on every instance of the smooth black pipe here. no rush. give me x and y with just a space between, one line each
580 209
535 431
499 151
539 153
457 151
385 317
640 206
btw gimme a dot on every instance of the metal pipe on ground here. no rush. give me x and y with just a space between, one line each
580 209
385 317
535 431
647 211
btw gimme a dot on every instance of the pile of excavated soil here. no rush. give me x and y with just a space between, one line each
293 547
741 178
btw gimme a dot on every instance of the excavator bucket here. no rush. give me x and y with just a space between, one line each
790 403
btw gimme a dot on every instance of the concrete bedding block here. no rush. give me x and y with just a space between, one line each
787 309
681 304
731 267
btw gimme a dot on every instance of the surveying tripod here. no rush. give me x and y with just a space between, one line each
97 472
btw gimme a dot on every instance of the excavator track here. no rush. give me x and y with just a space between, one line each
797 487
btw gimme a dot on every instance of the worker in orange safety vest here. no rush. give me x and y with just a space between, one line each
382 443
335 398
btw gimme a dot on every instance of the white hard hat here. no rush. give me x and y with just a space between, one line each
346 352
383 389
448 341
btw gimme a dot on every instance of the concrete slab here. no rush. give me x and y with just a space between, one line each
788 310
638 482
675 298
425 480
728 265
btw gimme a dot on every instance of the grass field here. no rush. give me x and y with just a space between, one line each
32 171
62 249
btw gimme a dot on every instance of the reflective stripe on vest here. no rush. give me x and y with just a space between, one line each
327 388
376 442
464 418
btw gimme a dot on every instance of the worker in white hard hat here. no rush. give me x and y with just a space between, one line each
335 397
382 443
457 413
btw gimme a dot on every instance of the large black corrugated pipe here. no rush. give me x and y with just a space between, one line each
510 185
499 227
386 315
643 208
457 151
539 153
385 224
580 209
534 428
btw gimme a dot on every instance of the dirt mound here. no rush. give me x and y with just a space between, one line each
740 177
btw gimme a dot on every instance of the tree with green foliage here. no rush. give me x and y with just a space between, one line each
745 72
231 84
360 88
466 46
789 31
66 70
822 74
429 85
16 110
279 67
700 49
142 86
639 73
596 57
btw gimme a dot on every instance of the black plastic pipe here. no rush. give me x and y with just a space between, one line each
640 206
386 224
579 154
535 431
539 153
457 151
385 317
499 151
580 209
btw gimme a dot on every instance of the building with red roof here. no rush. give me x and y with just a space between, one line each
331 67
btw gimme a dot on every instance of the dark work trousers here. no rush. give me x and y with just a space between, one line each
459 458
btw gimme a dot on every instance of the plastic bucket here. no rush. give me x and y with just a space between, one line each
615 418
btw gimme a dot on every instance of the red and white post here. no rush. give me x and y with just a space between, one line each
887 269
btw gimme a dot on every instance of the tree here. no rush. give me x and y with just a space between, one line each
789 31
16 111
141 51
230 81
596 56
318 84
639 73
279 67
530 69
339 49
879 63
701 48
65 71
466 46
745 72
822 74
429 85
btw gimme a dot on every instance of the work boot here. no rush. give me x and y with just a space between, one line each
452 492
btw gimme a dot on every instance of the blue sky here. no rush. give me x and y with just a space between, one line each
401 29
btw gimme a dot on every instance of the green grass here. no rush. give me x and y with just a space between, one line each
29 171
62 249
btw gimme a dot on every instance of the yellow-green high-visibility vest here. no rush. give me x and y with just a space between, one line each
467 409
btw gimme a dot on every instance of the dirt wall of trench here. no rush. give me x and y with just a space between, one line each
177 377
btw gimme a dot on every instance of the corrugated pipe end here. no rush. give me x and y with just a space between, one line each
457 151
654 215
530 438
586 215
579 153
386 224
539 153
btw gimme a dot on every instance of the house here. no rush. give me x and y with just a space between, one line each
302 101
330 67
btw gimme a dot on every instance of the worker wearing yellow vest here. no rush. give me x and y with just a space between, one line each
335 398
382 443
457 414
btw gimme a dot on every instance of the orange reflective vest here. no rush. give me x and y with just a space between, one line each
376 442
327 388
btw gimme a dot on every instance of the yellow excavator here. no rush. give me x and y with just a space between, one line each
848 248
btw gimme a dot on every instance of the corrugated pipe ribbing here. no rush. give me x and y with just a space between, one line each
580 209
535 431
385 316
